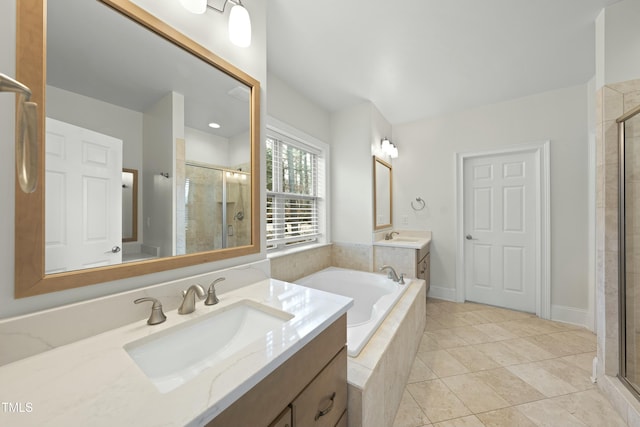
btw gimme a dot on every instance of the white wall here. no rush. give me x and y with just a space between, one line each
209 30
356 134
206 148
618 44
426 168
288 106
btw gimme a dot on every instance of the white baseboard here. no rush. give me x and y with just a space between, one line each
441 292
575 316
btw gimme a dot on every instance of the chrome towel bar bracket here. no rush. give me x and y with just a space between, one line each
26 133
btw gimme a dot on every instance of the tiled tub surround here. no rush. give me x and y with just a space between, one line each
611 102
95 382
377 377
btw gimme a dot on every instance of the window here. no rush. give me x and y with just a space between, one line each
294 186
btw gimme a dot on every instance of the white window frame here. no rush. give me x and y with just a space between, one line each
282 131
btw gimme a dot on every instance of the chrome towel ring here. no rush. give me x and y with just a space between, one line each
421 204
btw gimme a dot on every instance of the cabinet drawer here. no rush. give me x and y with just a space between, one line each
324 400
343 421
284 420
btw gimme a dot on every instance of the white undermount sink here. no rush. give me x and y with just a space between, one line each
174 356
405 239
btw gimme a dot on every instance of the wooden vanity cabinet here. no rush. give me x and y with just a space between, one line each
307 390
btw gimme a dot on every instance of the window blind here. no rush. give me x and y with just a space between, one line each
292 193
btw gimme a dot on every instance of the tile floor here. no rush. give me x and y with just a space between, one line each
485 366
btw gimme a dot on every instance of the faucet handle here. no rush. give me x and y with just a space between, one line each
157 316
401 279
212 298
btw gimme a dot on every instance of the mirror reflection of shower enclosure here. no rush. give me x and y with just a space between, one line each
217 210
629 241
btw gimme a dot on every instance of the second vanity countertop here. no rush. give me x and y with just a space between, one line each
95 382
406 241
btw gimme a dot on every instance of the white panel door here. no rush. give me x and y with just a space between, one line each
500 230
83 198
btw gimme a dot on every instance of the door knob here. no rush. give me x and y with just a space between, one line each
469 237
115 249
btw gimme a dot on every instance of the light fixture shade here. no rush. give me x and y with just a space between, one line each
394 151
195 6
239 26
385 145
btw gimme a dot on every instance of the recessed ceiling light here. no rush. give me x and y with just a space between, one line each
214 125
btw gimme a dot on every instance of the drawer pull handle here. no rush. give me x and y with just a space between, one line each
325 411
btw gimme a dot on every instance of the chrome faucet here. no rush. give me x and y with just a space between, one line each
393 275
390 234
189 302
212 299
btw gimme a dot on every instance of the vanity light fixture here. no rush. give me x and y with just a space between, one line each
389 148
239 20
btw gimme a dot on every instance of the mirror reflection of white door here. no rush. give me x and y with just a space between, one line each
500 230
83 200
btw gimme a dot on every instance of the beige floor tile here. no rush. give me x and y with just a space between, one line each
545 413
590 407
420 372
544 369
541 379
471 334
520 328
437 401
470 421
473 359
475 394
433 324
446 339
506 417
442 363
552 344
527 349
428 343
472 318
583 360
495 331
509 386
578 342
409 413
502 354
568 372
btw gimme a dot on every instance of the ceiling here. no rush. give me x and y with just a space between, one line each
421 58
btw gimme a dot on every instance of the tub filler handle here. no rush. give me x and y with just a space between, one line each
325 411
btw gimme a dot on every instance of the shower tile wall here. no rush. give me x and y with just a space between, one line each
204 221
612 101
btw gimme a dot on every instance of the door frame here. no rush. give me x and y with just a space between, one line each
541 152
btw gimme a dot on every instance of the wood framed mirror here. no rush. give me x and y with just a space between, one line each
187 69
382 194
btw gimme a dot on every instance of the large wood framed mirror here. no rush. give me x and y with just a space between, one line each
117 88
382 194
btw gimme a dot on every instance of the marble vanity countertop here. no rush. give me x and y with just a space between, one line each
405 241
94 382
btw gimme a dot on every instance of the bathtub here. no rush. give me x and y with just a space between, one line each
374 296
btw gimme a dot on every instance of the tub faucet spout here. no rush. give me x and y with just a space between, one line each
392 274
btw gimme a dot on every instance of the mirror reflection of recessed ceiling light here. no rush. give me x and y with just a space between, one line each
214 125
239 20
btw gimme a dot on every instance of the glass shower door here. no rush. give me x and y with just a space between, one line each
630 252
203 213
